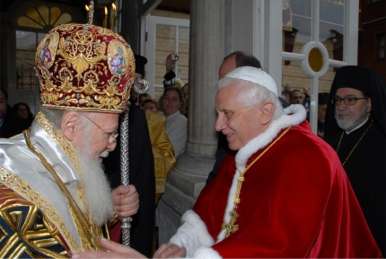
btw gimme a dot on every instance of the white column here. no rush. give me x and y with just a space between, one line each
206 54
207 41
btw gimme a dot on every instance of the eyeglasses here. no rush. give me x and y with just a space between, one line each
348 100
112 136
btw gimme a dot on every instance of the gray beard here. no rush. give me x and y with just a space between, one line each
97 189
349 124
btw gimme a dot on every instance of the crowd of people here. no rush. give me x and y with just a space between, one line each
15 119
277 189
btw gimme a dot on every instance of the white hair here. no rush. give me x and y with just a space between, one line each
253 94
55 116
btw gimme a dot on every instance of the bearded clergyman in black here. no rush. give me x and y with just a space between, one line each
356 128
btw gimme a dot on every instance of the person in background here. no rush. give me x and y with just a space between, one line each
150 105
163 153
20 119
142 98
300 96
4 115
322 109
176 123
356 129
170 67
286 96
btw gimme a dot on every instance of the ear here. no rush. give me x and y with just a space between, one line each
266 113
70 124
369 105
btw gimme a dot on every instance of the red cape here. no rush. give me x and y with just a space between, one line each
296 202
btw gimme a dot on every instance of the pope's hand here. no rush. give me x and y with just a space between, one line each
125 201
170 251
110 250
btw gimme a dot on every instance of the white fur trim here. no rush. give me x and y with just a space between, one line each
207 253
293 115
193 234
256 76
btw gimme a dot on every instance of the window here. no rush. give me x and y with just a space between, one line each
26 43
381 40
166 36
43 18
32 26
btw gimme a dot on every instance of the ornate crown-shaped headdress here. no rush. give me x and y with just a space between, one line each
84 67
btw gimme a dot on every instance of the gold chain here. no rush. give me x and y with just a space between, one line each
232 227
355 145
85 226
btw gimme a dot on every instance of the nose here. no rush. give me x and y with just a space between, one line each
220 122
340 105
112 145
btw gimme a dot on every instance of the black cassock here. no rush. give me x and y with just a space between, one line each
141 176
366 165
366 169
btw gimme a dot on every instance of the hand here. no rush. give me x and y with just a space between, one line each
170 251
125 201
110 250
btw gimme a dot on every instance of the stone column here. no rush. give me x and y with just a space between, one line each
185 182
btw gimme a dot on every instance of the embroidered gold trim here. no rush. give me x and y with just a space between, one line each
85 240
27 227
17 184
67 147
85 66
69 151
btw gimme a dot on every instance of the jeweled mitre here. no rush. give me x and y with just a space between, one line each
84 67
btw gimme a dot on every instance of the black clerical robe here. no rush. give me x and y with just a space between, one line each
363 154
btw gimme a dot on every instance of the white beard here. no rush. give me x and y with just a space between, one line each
348 123
97 189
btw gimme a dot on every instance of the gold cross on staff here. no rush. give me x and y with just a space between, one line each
231 227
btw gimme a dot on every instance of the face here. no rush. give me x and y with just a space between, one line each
227 66
102 130
150 106
143 98
171 102
239 123
22 111
297 97
322 109
353 109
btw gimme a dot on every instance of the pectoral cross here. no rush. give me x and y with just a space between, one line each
231 227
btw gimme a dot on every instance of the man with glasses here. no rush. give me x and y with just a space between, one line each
54 197
356 129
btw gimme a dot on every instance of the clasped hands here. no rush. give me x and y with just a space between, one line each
126 204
